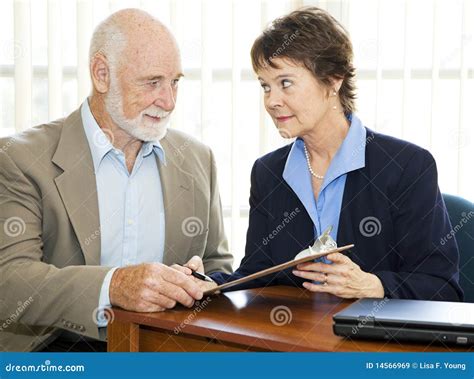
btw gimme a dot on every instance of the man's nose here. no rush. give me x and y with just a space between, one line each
166 99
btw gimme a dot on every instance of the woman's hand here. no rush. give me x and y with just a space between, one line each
342 278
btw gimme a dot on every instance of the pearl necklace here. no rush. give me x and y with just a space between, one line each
320 177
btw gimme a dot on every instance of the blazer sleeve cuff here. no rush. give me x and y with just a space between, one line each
104 299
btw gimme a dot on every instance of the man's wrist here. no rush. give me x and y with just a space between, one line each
114 284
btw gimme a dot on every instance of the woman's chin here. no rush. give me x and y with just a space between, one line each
285 133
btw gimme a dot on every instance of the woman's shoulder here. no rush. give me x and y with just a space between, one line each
384 148
274 160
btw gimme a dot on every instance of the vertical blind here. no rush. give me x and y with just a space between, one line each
414 61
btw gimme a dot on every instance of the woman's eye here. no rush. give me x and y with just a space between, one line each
285 83
266 88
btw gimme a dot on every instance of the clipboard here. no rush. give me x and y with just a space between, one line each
276 268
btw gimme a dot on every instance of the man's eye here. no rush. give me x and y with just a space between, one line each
285 83
153 83
175 82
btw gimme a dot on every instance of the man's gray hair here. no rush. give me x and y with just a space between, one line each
109 40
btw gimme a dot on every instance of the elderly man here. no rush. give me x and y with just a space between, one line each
94 208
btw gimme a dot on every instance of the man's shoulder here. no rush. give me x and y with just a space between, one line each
181 143
38 141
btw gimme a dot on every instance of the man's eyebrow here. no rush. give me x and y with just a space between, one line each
158 77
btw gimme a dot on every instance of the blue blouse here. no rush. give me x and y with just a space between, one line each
326 209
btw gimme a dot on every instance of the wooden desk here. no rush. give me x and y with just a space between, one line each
242 321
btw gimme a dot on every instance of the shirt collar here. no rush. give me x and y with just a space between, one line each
351 153
349 157
100 145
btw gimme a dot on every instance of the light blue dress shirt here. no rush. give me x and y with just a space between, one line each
131 210
325 211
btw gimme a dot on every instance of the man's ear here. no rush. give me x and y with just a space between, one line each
100 73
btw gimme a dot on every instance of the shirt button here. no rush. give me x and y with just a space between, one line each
130 221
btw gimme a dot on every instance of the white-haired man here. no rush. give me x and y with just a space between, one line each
96 207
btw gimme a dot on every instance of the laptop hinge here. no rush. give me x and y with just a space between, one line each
366 321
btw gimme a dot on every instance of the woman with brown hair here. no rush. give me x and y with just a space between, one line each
376 191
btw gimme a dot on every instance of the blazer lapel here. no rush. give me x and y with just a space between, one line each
77 186
349 213
178 199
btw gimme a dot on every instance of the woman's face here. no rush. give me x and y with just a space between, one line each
294 99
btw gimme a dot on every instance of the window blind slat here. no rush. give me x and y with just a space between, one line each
206 68
406 69
464 182
435 70
263 130
55 69
23 68
84 29
236 70
177 28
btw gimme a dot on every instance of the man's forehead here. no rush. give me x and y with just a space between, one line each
147 61
154 71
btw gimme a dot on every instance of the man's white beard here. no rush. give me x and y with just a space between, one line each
140 127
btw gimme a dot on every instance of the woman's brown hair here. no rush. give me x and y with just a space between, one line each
313 37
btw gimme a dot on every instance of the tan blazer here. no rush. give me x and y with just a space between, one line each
50 273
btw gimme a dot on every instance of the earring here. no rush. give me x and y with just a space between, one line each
334 93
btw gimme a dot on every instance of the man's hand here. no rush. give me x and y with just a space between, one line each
195 263
152 287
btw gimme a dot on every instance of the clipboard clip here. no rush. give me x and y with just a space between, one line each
323 243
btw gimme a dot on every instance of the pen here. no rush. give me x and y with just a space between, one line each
201 276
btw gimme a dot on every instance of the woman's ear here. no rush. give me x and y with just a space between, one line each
100 73
336 85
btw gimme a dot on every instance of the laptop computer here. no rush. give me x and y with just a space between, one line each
407 320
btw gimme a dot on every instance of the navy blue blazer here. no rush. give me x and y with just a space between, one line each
398 187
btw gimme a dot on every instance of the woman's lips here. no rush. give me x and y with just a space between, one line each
284 118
